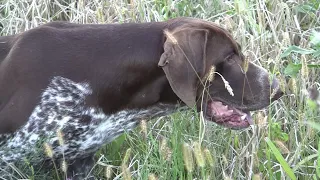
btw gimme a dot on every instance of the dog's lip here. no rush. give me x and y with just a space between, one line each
244 108
227 115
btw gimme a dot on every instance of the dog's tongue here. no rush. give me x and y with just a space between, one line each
229 116
220 110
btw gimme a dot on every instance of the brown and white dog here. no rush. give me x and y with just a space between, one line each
93 82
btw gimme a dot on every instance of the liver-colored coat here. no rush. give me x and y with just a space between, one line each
90 72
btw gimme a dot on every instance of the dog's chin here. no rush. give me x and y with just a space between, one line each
227 115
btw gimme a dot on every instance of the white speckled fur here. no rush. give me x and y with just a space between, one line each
85 128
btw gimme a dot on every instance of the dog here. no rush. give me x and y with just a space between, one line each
92 82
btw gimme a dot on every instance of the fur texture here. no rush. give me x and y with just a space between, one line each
85 129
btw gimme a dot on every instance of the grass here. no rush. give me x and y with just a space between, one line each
277 34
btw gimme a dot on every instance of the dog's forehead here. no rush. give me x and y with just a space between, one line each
217 29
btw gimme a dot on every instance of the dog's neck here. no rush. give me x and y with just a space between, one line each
143 84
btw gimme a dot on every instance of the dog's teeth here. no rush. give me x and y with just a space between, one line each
230 111
243 117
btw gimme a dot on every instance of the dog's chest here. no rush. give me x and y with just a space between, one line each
68 126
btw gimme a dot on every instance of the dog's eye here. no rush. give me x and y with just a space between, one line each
229 59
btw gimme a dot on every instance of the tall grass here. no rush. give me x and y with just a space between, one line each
275 34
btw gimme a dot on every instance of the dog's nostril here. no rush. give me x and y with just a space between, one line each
277 95
276 87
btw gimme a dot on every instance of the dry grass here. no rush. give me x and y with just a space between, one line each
265 29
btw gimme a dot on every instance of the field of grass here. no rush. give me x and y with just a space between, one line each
282 36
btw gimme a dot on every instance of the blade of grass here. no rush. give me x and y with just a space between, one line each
314 125
280 159
303 161
318 161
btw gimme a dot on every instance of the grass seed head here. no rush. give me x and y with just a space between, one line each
304 67
100 16
228 87
228 24
152 177
126 172
198 154
127 156
64 166
283 148
165 151
187 157
285 39
108 172
143 126
245 65
171 37
256 176
282 83
293 86
261 119
60 137
211 73
226 84
208 157
48 150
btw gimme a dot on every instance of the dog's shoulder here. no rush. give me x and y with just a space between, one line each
61 24
65 25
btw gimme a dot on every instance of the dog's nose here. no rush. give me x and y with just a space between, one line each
276 90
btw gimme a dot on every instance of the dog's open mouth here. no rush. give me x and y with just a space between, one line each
228 116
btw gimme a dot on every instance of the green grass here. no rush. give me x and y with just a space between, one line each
276 34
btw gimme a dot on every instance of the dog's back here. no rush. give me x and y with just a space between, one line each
92 52
5 45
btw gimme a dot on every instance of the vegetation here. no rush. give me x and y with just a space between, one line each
282 36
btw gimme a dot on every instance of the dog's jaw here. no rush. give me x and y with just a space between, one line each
227 115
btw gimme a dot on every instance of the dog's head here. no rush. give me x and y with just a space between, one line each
205 67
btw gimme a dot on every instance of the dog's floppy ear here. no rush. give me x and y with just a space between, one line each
183 61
